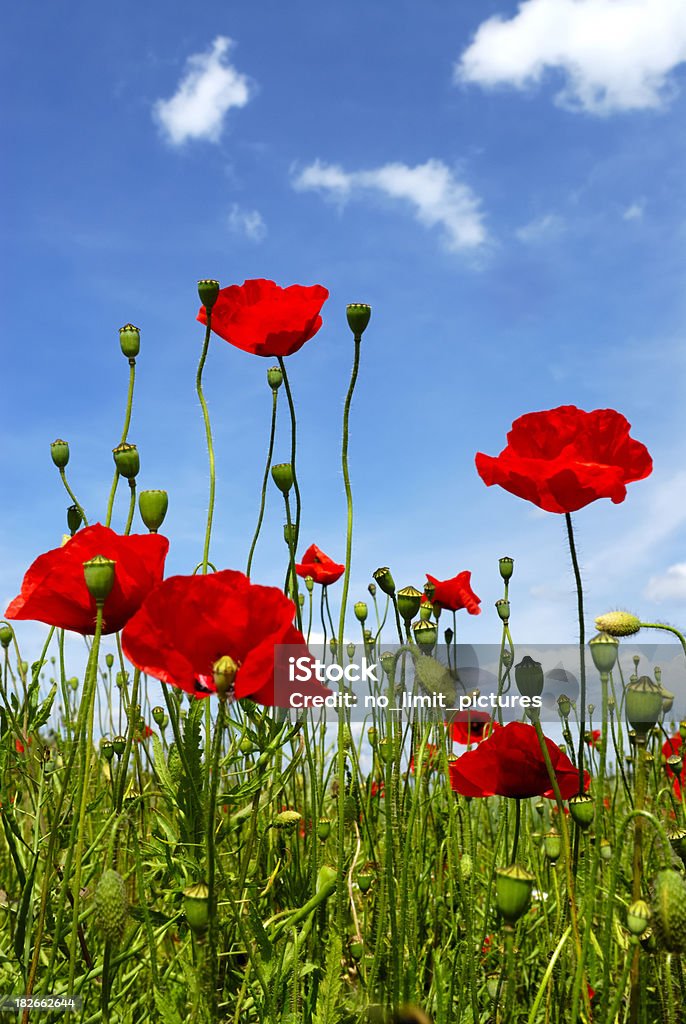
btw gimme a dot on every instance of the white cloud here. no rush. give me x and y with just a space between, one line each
541 229
206 93
248 223
616 55
433 192
669 585
634 212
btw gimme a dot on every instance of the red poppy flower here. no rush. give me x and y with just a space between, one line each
54 590
456 593
188 623
319 566
593 738
471 726
431 755
145 733
563 459
260 317
378 788
510 763
672 746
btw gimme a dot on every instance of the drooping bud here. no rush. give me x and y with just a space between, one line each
604 649
74 518
153 506
361 611
506 566
59 450
581 808
224 673
513 887
110 905
208 290
372 589
618 624
130 340
358 314
274 377
385 580
6 634
529 677
99 575
642 704
409 600
196 906
282 475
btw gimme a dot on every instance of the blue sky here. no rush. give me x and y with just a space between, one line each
502 182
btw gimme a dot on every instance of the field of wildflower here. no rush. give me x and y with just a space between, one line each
279 844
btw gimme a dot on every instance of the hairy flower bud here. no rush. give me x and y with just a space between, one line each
110 908
618 623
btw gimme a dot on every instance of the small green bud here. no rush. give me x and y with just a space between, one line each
6 634
287 820
196 906
361 611
153 506
372 589
282 475
208 291
109 659
59 450
127 460
385 580
99 575
618 624
309 584
274 377
358 314
130 340
448 636
74 519
513 887
506 566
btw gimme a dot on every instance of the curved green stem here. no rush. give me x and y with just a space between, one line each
291 576
71 494
582 649
132 508
211 860
208 435
265 479
348 489
669 629
296 488
124 435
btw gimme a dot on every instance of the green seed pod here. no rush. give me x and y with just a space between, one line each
425 610
513 887
350 650
356 948
289 533
409 600
287 820
361 611
196 906
74 519
208 291
6 634
506 566
309 584
605 850
552 845
582 809
425 635
107 750
638 917
127 460
643 704
130 340
529 677
153 506
358 314
110 908
385 580
119 744
385 749
274 377
323 829
365 882
618 624
503 609
109 659
282 475
99 576
677 839
158 716
669 911
604 650
59 450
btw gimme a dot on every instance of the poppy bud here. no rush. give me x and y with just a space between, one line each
59 450
323 829
503 609
669 910
360 610
372 589
282 475
643 704
387 660
287 820
130 340
409 600
564 705
333 646
153 506
74 519
110 905
356 948
309 584
506 566
605 850
208 290
618 624
109 659
350 648
127 460
99 575
385 580
365 882
581 809
552 845
638 917
425 635
119 744
6 634
604 649
274 377
513 887
196 906
529 677
682 730
158 716
448 636
358 314
224 673
385 750
289 533
107 750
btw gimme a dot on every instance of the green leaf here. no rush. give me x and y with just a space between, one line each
326 1011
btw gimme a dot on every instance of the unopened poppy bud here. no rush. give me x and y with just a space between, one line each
448 636
73 682
323 829
158 716
506 566
287 820
682 729
6 634
638 917
274 377
503 609
372 589
358 314
74 518
107 750
333 645
605 850
669 911
127 460
513 887
385 750
289 533
618 624
119 744
110 908
361 611
130 340
350 648
387 662
99 575
604 649
208 290
282 475
224 673
425 635
196 906
59 450
581 809
552 845
642 704
564 705
309 584
409 600
385 580
153 506
675 764
109 659
529 677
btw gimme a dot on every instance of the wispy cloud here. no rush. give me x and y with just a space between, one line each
247 222
634 212
616 55
209 89
435 196
541 229
669 585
